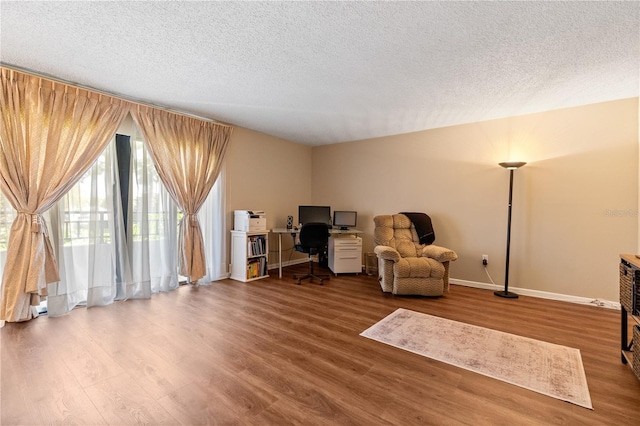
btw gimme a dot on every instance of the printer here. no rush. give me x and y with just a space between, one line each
249 220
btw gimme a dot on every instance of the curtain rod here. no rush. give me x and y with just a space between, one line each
104 92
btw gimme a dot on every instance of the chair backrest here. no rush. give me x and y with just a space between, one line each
314 235
398 232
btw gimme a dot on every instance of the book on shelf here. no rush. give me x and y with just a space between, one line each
263 266
257 268
256 245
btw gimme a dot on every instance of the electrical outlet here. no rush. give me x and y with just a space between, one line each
485 259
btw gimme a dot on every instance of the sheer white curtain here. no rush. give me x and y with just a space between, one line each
88 239
212 220
153 227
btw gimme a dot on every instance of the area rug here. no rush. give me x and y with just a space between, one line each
546 368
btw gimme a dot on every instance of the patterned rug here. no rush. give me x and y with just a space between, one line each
546 368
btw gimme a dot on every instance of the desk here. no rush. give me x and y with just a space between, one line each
280 231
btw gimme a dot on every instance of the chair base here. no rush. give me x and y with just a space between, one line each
311 275
321 278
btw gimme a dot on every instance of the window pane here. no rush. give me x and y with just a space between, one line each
86 218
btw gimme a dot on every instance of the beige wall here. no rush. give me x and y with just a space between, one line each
575 202
270 174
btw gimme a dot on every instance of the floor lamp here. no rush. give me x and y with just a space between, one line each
511 166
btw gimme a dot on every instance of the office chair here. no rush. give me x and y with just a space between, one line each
314 239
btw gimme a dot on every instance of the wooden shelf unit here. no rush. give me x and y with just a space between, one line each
630 308
249 255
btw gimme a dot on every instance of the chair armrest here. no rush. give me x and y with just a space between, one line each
441 254
387 253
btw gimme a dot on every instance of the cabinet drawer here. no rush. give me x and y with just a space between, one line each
347 263
348 242
348 255
347 249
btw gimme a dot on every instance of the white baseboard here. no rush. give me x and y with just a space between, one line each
541 294
224 276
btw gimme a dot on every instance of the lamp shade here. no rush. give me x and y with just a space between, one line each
512 165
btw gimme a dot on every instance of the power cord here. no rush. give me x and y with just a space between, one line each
487 271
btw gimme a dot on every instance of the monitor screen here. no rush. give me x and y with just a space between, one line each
345 219
308 214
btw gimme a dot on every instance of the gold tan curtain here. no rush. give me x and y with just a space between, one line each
50 134
188 154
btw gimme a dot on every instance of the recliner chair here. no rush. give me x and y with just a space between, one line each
314 239
404 265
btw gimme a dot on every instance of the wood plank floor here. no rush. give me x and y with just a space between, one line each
270 352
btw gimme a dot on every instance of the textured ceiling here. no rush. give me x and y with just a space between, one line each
326 72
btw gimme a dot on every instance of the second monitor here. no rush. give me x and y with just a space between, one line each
345 219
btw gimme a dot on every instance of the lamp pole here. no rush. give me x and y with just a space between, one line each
511 166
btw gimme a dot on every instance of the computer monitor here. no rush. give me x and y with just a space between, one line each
345 219
308 214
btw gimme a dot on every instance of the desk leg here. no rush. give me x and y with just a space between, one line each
279 255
